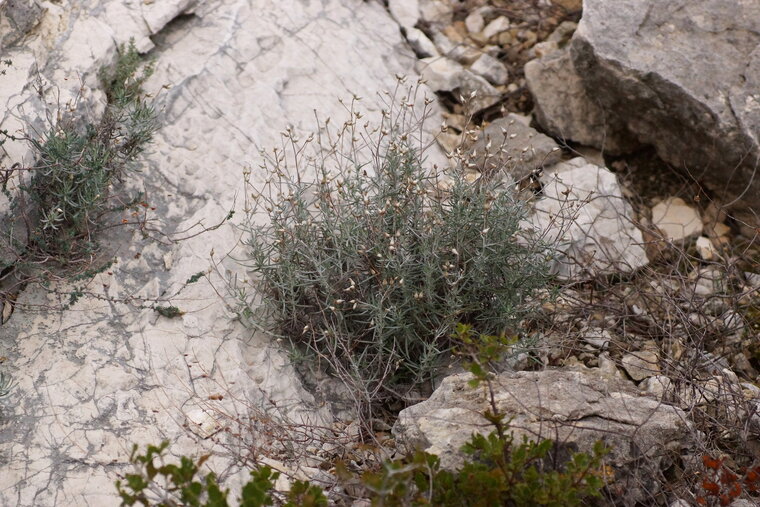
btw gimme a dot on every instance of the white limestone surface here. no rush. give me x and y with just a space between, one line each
93 380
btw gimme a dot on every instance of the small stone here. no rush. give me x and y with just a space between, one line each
732 321
707 281
642 364
597 338
405 12
437 12
491 69
475 22
443 74
505 39
753 279
657 385
168 260
202 423
497 26
421 45
508 138
456 32
676 219
719 229
705 248
608 368
569 5
460 51
563 33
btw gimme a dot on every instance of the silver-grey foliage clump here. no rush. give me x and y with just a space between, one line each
369 266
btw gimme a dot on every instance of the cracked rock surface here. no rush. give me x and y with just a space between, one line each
573 408
230 76
684 76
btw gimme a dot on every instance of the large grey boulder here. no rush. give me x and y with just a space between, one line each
567 111
573 408
684 76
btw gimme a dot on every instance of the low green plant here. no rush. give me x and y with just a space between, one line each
76 167
497 472
369 264
59 204
169 485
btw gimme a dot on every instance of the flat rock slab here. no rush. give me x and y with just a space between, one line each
676 219
573 408
509 144
684 76
97 378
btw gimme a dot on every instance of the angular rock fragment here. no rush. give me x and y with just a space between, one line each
641 364
491 69
683 76
422 46
584 211
566 110
405 12
511 145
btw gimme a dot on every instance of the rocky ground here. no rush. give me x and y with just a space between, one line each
653 342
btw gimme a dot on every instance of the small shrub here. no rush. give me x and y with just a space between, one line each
369 264
69 188
70 185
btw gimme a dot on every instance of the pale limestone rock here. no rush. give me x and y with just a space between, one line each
422 46
708 281
572 407
475 22
597 338
461 52
436 12
443 74
608 369
491 69
676 219
495 27
683 76
658 386
509 144
564 107
641 364
405 12
584 210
